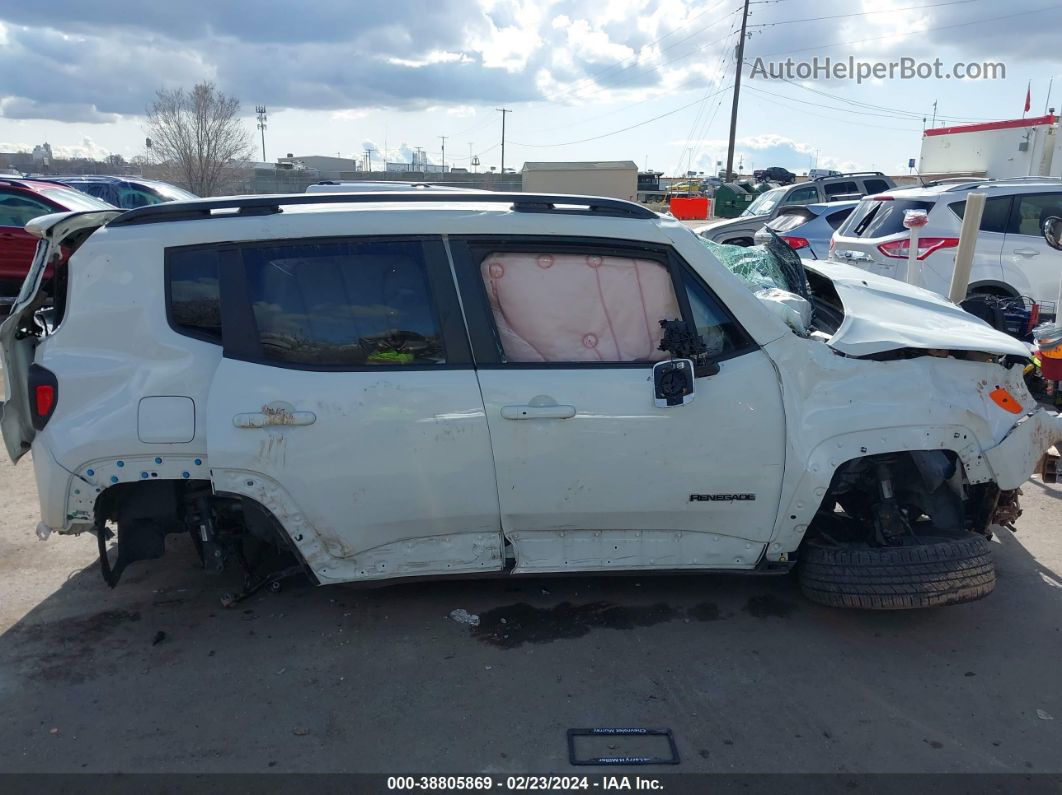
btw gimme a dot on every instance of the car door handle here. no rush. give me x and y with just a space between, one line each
529 412
273 419
1026 252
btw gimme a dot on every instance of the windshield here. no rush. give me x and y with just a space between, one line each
75 199
170 192
765 203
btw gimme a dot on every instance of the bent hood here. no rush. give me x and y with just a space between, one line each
883 314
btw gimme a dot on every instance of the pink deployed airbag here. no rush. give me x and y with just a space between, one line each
578 307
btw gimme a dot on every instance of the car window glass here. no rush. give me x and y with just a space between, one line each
18 209
996 215
765 202
875 185
550 306
1034 209
783 222
717 329
837 218
130 197
839 188
193 295
77 198
805 195
344 304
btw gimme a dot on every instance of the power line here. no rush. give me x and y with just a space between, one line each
616 132
591 78
839 120
902 113
640 102
862 13
834 44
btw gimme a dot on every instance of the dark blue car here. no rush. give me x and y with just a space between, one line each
124 192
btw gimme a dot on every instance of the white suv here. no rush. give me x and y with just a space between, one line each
399 385
1011 257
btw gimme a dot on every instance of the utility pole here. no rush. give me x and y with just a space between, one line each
368 160
737 93
261 111
933 123
503 111
444 137
418 156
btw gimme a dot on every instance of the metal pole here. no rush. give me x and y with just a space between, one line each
503 112
971 224
261 111
737 93
443 137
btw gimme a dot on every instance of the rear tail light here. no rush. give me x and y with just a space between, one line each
796 243
901 249
43 395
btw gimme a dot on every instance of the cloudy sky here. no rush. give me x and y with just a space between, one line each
646 80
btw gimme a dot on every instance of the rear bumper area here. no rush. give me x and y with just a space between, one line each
1014 459
53 487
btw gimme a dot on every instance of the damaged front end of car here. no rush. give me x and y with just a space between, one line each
910 431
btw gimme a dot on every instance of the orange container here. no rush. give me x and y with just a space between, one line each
692 209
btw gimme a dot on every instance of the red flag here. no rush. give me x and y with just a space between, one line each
1028 97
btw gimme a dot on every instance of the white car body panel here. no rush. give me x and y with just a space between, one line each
389 459
615 481
882 314
396 475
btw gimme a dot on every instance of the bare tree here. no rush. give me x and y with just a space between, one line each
198 137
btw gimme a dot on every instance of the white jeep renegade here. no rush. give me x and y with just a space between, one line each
363 387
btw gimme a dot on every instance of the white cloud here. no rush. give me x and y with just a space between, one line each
86 149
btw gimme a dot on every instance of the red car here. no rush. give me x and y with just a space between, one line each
21 200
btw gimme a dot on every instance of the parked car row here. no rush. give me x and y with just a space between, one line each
1011 259
22 200
741 231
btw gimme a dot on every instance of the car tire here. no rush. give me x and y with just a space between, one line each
936 571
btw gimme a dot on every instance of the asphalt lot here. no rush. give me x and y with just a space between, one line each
748 675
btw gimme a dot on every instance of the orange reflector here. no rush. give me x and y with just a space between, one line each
1005 400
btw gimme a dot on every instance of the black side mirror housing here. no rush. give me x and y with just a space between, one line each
673 383
1053 232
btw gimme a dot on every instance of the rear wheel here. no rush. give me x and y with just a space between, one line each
930 571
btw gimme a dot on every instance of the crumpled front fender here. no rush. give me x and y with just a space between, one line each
1014 458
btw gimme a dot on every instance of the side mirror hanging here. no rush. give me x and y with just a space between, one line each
673 383
1053 232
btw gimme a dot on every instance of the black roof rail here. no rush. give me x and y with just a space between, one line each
850 174
267 205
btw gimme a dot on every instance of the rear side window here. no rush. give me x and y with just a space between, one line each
838 218
806 195
880 218
1034 209
875 185
995 217
344 304
786 221
192 294
18 209
840 188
